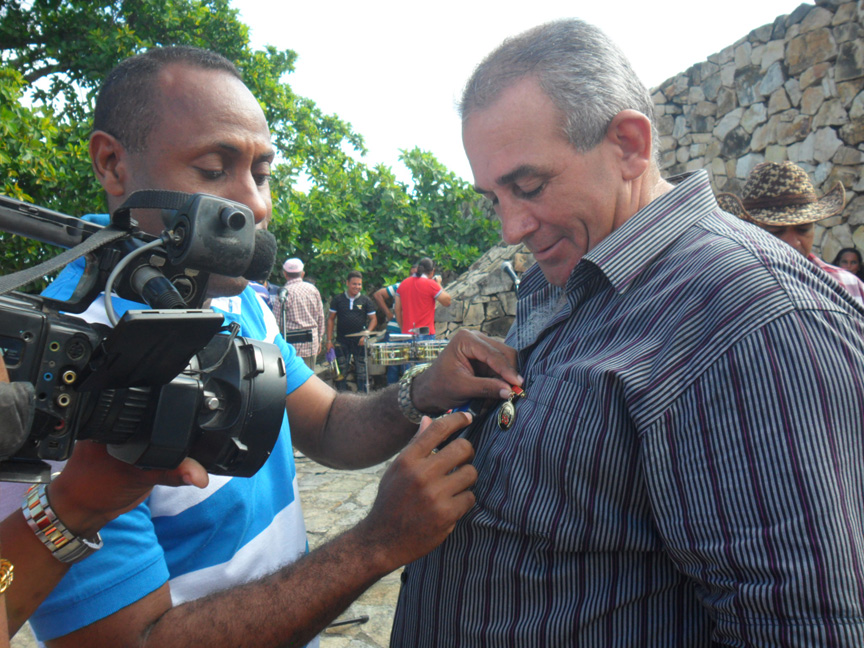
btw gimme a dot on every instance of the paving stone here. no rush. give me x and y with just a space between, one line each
333 501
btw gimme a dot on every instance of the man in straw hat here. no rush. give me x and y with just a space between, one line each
779 198
678 468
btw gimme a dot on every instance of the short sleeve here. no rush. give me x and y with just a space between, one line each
296 370
129 566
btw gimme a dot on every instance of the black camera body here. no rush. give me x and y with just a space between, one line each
162 384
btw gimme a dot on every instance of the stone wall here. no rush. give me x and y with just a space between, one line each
483 297
791 90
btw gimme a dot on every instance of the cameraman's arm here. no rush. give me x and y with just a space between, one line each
355 431
420 497
93 489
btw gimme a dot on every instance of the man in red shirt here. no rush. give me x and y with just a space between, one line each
416 297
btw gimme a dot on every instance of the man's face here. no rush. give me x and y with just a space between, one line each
799 237
355 285
212 138
557 201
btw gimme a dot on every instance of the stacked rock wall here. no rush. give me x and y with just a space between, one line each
484 297
791 90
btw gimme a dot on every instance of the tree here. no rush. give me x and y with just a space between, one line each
357 218
54 54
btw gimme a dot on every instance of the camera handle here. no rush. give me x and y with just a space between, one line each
102 237
52 224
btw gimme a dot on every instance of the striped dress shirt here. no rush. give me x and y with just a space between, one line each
686 466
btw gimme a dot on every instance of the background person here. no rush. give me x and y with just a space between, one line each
228 565
416 298
684 467
299 307
779 198
353 313
850 260
385 298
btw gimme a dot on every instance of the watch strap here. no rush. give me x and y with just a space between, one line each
406 405
61 542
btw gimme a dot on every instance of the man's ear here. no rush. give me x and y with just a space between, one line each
630 131
108 157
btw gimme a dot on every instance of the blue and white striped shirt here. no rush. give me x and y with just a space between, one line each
687 466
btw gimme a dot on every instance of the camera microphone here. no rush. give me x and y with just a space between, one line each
263 257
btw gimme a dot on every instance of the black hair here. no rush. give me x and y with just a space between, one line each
836 261
127 105
425 266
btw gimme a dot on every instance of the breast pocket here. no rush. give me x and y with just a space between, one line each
526 471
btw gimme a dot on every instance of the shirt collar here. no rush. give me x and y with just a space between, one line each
819 263
627 251
622 255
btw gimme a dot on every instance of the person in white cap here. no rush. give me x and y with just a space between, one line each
299 308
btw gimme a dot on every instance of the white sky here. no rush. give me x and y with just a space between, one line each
394 68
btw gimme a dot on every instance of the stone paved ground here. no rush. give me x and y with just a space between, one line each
333 501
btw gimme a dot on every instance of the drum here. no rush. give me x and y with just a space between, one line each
428 350
390 353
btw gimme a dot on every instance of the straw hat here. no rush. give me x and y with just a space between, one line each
782 194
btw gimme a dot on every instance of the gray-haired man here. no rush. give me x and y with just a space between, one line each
683 466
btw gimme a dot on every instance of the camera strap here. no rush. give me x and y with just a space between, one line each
149 199
121 224
22 277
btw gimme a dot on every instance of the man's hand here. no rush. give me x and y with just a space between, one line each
472 365
422 494
94 487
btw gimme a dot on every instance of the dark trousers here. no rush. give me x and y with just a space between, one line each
346 350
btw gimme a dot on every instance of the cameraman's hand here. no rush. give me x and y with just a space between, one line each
472 365
94 487
421 496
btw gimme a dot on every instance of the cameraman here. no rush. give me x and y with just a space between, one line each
228 566
111 487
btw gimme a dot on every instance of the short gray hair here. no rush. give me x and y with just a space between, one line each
583 72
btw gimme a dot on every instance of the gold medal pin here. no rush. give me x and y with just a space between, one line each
507 411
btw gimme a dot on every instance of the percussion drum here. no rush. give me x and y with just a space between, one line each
428 350
390 353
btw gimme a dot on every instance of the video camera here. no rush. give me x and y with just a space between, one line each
161 384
